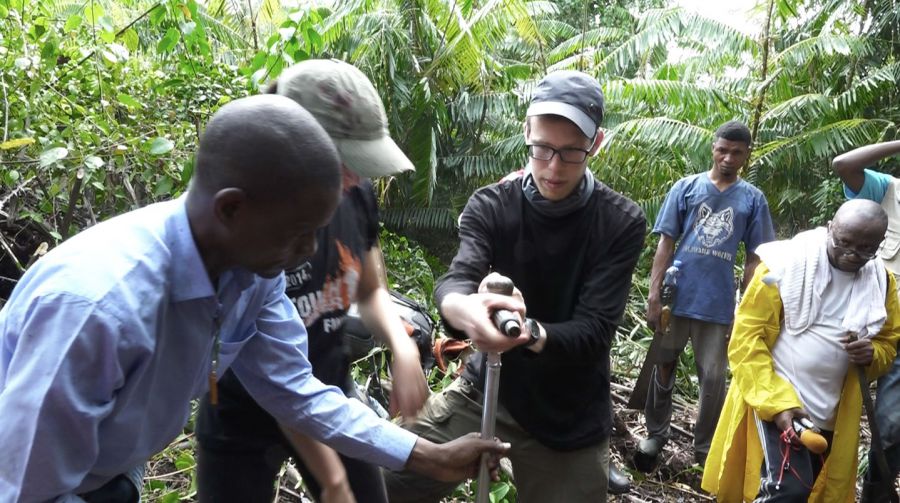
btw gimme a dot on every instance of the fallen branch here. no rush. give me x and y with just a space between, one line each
12 255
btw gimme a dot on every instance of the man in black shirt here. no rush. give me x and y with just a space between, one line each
569 244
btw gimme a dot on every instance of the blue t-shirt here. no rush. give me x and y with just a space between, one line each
874 187
709 225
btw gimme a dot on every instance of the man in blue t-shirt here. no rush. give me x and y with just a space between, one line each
862 183
706 215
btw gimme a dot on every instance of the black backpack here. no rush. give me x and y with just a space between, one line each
359 342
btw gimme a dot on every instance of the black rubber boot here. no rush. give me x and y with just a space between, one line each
647 454
619 483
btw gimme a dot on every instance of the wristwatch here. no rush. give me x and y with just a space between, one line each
534 329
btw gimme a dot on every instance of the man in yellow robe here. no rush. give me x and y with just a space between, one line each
791 358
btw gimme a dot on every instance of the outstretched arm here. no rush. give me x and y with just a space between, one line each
849 166
377 311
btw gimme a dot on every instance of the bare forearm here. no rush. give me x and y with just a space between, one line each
850 166
322 461
862 157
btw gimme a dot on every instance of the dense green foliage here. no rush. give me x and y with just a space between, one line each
103 101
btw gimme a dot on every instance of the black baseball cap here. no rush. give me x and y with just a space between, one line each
574 95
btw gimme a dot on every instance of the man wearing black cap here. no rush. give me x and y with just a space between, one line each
569 244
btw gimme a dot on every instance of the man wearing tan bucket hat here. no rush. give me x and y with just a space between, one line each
241 446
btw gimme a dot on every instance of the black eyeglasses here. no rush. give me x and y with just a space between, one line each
570 155
843 250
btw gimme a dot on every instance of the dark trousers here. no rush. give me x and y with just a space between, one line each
117 490
788 472
241 449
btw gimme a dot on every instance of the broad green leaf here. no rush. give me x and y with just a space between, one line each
93 12
4 12
164 187
16 143
73 23
52 155
93 162
258 61
315 40
187 171
11 177
129 101
499 491
154 485
157 14
130 37
49 50
171 497
167 43
185 460
160 146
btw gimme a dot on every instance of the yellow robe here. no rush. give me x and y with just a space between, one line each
732 470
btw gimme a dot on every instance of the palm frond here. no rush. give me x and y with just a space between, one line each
590 39
420 218
798 55
806 148
714 34
480 166
800 110
662 133
866 90
687 100
655 28
554 29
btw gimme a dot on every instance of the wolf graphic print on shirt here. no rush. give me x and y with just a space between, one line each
714 228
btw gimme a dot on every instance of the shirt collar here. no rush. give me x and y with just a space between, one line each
189 277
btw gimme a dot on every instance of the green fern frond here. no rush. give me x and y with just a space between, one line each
865 91
681 99
590 40
798 55
663 133
800 110
804 149
420 218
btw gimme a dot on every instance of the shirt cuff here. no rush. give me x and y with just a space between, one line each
397 445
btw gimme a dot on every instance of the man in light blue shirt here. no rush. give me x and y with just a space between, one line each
884 189
106 339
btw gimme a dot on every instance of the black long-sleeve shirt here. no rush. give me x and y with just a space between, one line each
574 273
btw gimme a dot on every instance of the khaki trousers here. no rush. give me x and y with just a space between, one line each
542 474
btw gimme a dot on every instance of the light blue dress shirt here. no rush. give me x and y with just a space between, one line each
106 340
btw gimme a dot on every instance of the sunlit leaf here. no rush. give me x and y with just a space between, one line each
93 162
168 42
52 155
16 143
160 146
73 22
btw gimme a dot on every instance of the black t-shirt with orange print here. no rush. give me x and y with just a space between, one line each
323 288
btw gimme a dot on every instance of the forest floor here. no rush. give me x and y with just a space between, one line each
676 478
